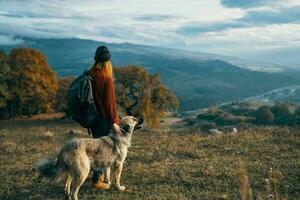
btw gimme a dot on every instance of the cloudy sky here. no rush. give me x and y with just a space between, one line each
229 27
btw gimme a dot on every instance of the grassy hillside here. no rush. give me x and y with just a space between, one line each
164 164
199 80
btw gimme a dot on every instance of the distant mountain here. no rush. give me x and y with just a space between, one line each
198 79
287 56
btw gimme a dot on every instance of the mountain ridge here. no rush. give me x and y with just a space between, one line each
197 82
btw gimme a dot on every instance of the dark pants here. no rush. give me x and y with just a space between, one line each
102 128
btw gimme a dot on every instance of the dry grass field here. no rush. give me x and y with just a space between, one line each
162 164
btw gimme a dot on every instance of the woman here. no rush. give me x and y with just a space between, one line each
105 100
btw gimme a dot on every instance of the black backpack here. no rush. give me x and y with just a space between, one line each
81 105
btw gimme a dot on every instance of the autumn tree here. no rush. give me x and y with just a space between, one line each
161 100
141 93
60 103
4 78
33 84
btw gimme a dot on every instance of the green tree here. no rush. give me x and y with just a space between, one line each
4 79
140 93
264 115
282 114
33 84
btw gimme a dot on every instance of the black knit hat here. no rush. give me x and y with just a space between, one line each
102 54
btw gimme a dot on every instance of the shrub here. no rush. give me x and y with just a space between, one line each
264 115
282 114
209 116
205 126
221 118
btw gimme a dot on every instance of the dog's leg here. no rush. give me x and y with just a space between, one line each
107 175
68 186
119 167
79 173
78 180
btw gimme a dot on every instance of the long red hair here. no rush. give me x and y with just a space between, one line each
106 67
104 91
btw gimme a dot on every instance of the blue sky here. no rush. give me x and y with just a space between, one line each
230 27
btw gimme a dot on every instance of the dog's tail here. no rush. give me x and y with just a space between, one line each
47 168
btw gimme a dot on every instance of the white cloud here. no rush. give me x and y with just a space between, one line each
84 18
9 40
241 41
152 22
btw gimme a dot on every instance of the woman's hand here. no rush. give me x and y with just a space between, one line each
117 129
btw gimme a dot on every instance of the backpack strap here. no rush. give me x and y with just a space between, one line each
89 131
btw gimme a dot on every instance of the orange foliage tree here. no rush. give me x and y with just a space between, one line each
33 83
4 77
141 93
60 104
